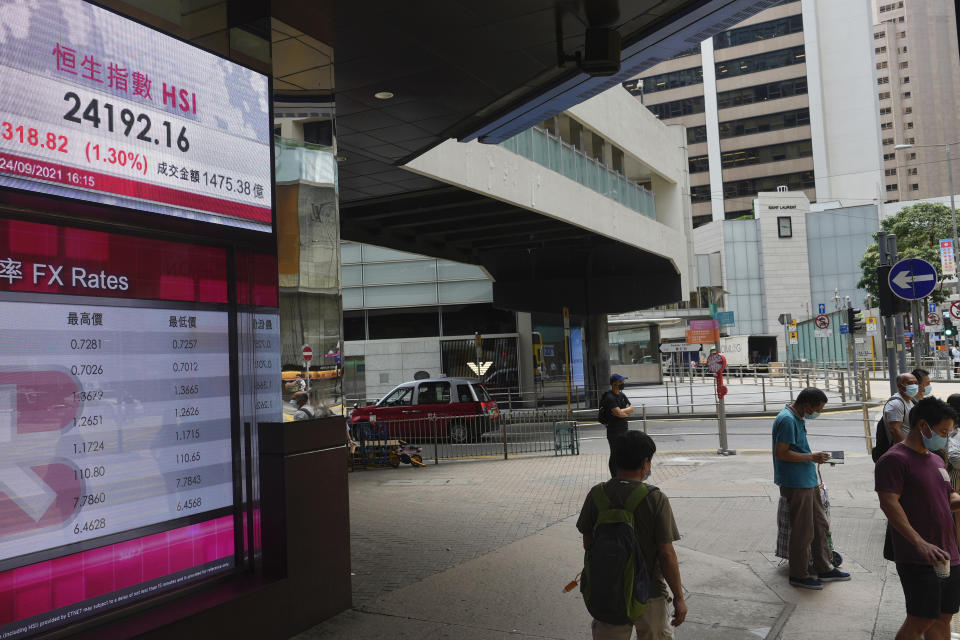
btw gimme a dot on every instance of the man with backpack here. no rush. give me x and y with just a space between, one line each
615 408
305 411
894 426
794 471
628 528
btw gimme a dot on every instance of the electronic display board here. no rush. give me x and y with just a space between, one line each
117 438
100 108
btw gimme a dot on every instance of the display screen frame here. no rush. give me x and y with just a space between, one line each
239 259
39 201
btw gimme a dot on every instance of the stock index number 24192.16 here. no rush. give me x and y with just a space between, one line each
133 124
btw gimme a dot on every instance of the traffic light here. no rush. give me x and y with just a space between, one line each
889 303
948 329
854 320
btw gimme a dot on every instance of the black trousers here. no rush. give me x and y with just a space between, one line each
611 440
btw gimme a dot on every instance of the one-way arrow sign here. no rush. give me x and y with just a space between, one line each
912 279
678 347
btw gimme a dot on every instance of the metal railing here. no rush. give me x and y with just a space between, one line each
867 415
517 432
550 151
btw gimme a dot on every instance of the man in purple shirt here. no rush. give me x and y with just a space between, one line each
917 498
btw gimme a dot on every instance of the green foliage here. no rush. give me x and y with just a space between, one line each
919 229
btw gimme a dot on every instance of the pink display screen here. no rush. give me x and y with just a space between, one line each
116 420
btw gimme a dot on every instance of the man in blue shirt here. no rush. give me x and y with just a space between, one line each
794 472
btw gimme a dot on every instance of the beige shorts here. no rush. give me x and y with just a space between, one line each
654 624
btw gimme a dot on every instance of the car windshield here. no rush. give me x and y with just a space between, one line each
481 392
401 396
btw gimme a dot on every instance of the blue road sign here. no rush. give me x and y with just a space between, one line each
725 318
932 307
912 279
821 308
844 329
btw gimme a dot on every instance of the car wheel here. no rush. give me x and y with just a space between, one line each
458 432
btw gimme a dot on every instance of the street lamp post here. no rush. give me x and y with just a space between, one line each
953 209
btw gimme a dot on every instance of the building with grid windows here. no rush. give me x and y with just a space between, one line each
784 98
918 84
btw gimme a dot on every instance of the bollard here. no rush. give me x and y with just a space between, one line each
763 389
866 430
843 387
643 412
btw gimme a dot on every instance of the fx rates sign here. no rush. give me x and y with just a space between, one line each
99 108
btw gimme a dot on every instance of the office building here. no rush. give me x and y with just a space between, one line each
784 98
918 84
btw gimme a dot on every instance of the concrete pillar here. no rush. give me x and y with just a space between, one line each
598 356
525 356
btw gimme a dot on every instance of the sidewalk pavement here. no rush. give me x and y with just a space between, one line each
478 550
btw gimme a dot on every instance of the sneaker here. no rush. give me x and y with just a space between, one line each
806 583
833 576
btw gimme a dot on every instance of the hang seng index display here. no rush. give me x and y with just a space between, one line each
112 419
100 108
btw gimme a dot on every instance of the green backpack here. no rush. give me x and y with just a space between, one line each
615 583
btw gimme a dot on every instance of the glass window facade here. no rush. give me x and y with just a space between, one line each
751 186
767 122
468 319
403 272
762 93
696 134
635 346
744 275
672 80
354 325
699 164
677 108
700 194
692 51
395 324
835 244
770 153
761 62
761 31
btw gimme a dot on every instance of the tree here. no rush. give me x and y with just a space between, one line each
919 229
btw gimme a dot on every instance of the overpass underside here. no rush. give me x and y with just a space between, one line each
538 263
